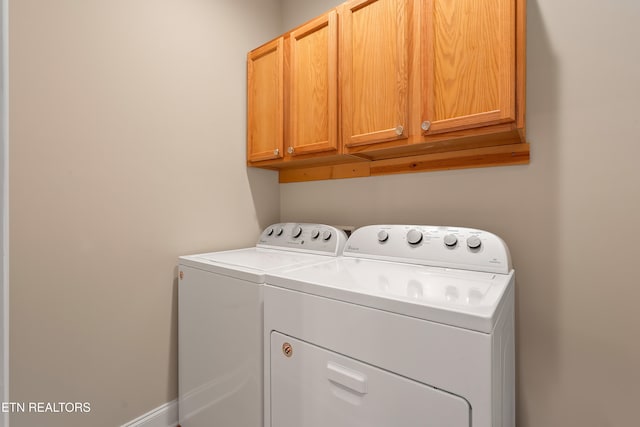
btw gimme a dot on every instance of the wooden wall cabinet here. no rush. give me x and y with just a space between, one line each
265 103
468 64
466 79
374 70
306 91
313 87
400 85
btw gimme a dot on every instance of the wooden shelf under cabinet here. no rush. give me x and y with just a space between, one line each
503 155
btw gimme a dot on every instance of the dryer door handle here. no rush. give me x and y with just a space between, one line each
349 378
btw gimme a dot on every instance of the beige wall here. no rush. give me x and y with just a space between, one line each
127 150
570 217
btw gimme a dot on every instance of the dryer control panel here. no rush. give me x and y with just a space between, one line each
437 246
311 238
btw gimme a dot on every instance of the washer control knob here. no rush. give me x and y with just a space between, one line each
270 232
474 242
450 240
326 235
279 231
315 234
414 236
297 231
383 236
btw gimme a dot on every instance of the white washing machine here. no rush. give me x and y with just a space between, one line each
220 322
412 326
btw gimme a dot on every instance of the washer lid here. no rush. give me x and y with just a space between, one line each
251 263
466 299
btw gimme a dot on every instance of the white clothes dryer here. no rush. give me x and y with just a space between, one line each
220 322
412 326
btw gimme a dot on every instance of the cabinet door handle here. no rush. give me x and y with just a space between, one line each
399 130
290 150
276 152
426 125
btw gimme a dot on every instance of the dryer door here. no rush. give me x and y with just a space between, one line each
314 387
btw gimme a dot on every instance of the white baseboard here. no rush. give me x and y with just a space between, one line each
163 416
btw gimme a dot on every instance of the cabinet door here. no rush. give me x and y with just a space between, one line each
313 120
468 58
374 71
265 75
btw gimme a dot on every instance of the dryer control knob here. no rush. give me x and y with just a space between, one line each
279 231
315 234
474 242
297 231
270 232
414 236
383 236
326 235
450 240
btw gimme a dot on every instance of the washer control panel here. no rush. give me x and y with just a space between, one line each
312 238
449 247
